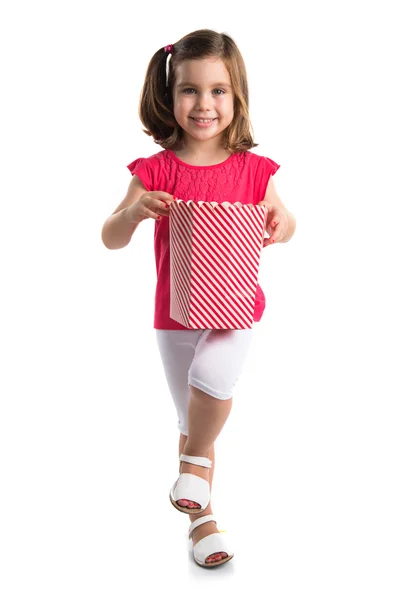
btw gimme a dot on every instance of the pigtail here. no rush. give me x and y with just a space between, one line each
155 107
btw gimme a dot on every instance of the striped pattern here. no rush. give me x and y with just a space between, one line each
215 252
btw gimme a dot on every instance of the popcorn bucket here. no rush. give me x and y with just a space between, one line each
215 252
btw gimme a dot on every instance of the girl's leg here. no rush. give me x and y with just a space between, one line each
216 366
177 349
207 416
219 358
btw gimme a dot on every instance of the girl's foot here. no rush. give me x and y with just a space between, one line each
206 529
195 470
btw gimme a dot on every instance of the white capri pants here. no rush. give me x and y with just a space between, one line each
208 359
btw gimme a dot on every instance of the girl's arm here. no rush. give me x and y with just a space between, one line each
278 217
117 230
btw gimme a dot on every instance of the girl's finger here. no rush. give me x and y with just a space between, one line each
268 242
162 208
276 232
273 238
153 214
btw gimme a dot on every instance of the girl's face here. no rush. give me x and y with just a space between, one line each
203 90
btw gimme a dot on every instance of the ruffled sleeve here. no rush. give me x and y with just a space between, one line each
266 168
270 165
141 167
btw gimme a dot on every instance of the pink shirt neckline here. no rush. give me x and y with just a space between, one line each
180 162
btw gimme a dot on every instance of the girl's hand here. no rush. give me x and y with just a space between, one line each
150 205
276 224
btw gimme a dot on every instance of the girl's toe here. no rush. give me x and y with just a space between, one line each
183 503
188 503
216 557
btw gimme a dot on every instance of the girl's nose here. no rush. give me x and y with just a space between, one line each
203 101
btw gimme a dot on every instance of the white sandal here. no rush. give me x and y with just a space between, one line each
214 543
192 487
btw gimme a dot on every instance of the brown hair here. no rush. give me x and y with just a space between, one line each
156 102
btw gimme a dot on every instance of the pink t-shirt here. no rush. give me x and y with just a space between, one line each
243 177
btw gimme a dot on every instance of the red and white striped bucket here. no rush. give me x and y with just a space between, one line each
215 252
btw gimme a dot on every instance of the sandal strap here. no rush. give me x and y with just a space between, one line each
201 461
200 521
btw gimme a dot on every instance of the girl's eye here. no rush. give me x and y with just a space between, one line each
216 89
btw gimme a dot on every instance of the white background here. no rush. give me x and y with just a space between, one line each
307 466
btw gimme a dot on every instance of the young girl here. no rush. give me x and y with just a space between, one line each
194 103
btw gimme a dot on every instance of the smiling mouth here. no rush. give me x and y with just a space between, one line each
203 120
